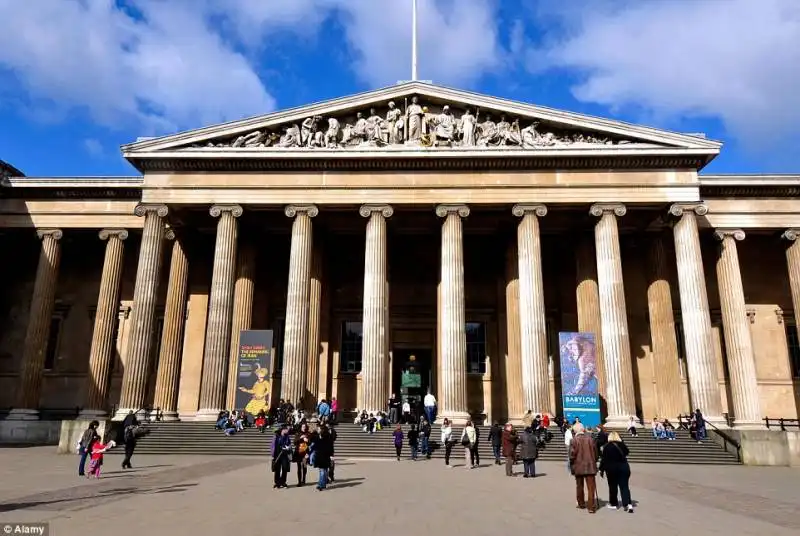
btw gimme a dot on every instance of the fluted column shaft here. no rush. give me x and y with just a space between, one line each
736 328
533 335
587 296
295 342
613 315
169 359
220 311
101 354
314 326
39 320
452 331
793 267
143 310
375 353
700 359
662 333
513 369
242 319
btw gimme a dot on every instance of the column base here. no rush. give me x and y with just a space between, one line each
207 415
124 412
456 417
620 422
718 421
92 415
23 414
748 425
169 416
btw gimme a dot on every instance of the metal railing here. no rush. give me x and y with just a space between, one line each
151 414
728 442
782 424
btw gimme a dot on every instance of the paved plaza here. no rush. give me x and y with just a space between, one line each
212 495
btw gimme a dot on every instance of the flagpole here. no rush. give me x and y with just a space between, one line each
413 40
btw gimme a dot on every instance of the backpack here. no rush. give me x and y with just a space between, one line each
303 447
130 433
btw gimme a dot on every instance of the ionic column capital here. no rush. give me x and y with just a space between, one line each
169 233
367 210
791 234
599 210
445 210
55 234
293 210
217 210
537 209
736 234
105 234
678 209
143 208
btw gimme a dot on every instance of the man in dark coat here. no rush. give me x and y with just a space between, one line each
510 442
281 457
496 437
583 461
323 455
129 425
529 451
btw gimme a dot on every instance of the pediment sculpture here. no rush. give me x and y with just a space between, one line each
415 126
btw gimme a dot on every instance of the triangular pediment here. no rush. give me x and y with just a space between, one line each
417 117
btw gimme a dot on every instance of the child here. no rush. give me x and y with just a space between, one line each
398 441
261 421
97 449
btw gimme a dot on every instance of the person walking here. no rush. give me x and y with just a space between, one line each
413 441
468 439
568 436
583 460
85 445
323 456
510 442
281 453
496 438
334 415
398 440
425 436
529 451
618 471
130 426
301 442
447 440
394 409
429 403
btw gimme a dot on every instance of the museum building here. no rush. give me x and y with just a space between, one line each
411 224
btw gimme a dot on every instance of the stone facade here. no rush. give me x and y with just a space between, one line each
360 257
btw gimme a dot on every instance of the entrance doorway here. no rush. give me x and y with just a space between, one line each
412 374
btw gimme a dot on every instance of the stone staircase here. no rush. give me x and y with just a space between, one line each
201 439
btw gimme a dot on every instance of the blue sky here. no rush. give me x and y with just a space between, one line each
78 78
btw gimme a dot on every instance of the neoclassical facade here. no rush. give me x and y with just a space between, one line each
416 220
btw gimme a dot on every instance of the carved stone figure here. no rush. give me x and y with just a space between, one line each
254 139
508 133
375 132
466 128
332 134
291 137
444 127
359 134
487 132
414 119
529 136
310 135
394 124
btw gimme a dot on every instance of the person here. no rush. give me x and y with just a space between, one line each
323 409
510 442
468 439
529 451
323 456
281 452
261 421
301 442
583 461
84 445
406 412
394 409
413 441
632 427
568 436
398 440
527 419
97 448
614 464
496 438
700 424
475 450
429 403
130 425
425 436
447 440
546 420
601 439
334 416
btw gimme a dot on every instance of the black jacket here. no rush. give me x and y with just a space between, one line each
615 457
425 430
323 451
496 435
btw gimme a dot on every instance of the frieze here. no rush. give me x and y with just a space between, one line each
414 125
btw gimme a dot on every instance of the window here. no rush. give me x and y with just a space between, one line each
793 343
53 342
350 352
476 348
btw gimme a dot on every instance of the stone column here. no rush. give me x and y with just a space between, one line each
701 362
587 296
314 327
736 328
613 315
39 320
220 311
106 318
662 332
143 311
295 340
533 335
452 329
375 352
169 360
243 292
513 368
793 267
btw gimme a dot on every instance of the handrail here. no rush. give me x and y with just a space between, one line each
720 433
782 423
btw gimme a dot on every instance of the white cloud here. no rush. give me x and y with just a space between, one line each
93 146
737 60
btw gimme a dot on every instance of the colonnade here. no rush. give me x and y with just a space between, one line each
600 294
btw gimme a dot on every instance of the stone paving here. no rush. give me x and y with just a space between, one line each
210 495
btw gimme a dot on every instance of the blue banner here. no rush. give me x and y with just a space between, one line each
579 378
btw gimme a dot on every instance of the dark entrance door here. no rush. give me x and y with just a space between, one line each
411 374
